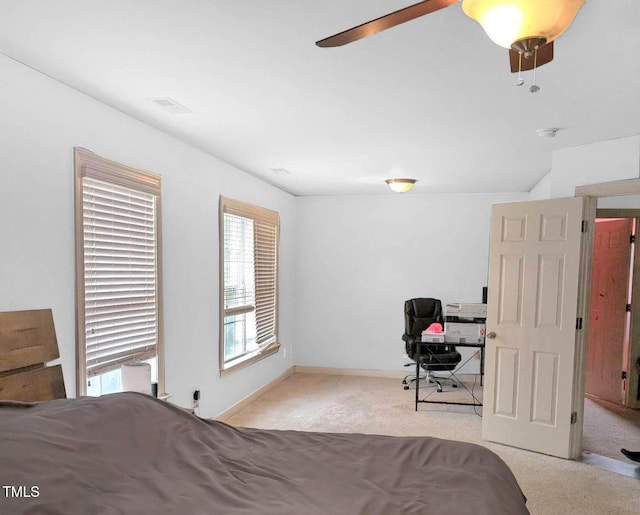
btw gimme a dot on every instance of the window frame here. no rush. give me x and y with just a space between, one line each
89 164
246 210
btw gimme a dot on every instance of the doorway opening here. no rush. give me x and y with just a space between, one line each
607 200
611 386
606 374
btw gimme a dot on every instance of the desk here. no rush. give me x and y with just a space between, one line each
479 346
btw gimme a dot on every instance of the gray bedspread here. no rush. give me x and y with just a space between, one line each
130 453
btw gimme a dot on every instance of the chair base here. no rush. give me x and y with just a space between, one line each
412 379
437 381
430 378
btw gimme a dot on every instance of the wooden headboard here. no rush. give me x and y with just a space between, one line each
27 342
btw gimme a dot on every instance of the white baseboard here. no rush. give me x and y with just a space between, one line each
228 413
394 374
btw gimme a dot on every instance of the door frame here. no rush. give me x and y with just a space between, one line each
591 193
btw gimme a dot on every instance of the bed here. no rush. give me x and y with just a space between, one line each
132 453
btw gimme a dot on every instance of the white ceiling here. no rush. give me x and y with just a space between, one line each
431 99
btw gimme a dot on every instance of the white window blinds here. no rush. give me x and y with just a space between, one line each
120 270
265 267
239 289
249 241
118 267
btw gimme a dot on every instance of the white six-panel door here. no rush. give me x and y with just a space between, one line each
534 263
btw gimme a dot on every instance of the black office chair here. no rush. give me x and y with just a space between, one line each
419 314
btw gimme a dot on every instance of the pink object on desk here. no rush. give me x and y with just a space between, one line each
434 328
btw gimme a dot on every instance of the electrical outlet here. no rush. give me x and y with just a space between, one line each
285 353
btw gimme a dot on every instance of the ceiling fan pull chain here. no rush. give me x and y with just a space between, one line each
520 80
534 88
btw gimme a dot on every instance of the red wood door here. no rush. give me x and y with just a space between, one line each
609 290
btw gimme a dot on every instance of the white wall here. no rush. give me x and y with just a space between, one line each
360 258
542 190
40 124
592 163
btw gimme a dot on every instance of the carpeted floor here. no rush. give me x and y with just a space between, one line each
609 427
317 402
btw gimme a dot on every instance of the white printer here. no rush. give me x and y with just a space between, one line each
465 322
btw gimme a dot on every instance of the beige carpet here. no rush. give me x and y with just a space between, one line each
609 427
315 402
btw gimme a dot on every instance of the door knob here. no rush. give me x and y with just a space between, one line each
491 335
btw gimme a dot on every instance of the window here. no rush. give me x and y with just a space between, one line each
248 283
118 279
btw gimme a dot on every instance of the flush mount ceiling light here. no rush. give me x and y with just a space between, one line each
400 185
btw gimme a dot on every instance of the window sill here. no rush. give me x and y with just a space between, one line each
264 353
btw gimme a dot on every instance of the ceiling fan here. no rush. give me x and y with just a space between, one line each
526 27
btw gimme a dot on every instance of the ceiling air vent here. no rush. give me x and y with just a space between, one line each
170 105
280 171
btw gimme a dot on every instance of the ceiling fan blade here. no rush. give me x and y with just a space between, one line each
385 22
545 55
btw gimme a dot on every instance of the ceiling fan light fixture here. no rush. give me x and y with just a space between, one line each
400 185
507 22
